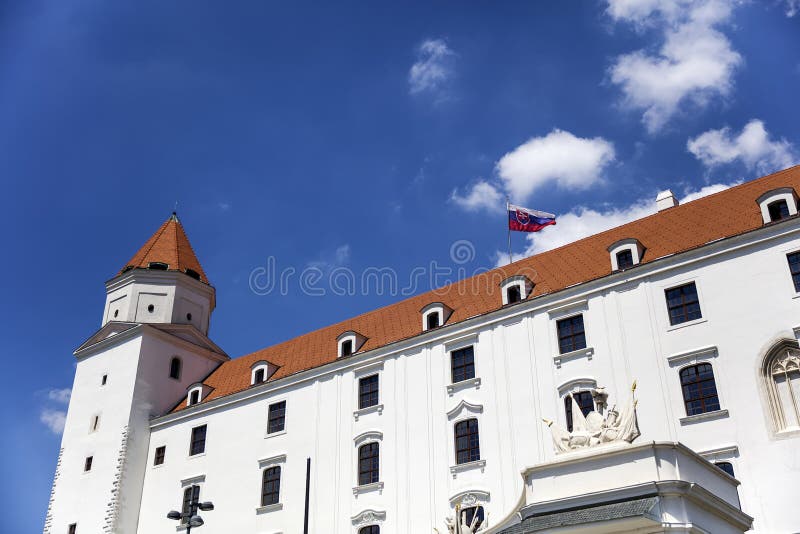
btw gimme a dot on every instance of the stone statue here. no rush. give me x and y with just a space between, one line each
459 524
594 429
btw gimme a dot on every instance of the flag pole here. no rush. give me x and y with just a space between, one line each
510 257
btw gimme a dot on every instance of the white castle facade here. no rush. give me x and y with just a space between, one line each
431 430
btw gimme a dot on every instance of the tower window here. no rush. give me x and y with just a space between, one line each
368 391
104 380
116 312
462 364
514 294
433 320
368 464
271 486
683 304
95 422
72 529
258 376
699 389
175 368
87 464
188 316
194 274
794 269
467 442
161 453
191 502
277 417
158 266
585 403
571 334
624 259
198 441
151 308
778 210
347 347
726 466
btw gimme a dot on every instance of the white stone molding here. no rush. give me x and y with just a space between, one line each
377 408
368 517
368 488
112 509
581 383
269 508
442 309
632 244
357 341
464 407
719 453
192 480
364 370
782 360
693 356
460 342
521 281
467 466
470 497
464 384
48 519
782 193
701 417
588 352
365 437
272 460
568 309
261 364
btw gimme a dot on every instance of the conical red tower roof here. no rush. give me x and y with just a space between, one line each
168 246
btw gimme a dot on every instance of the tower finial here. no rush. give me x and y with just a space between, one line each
175 212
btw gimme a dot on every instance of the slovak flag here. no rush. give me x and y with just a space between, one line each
524 220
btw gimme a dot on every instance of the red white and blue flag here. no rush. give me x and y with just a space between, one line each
524 220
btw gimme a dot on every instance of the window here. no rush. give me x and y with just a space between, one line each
175 368
271 486
368 391
104 380
368 464
95 422
191 500
683 304
699 389
571 335
625 259
258 377
198 443
726 466
158 265
194 397
347 347
467 443
782 376
433 320
585 403
194 274
277 417
372 529
72 529
462 364
469 515
778 210
513 294
87 464
161 452
794 268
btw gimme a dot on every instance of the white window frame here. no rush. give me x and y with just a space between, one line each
370 436
194 387
364 372
435 307
782 193
350 335
270 402
521 281
632 244
665 305
261 364
462 343
266 463
578 307
463 411
680 361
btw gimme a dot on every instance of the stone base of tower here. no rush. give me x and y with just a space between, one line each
644 488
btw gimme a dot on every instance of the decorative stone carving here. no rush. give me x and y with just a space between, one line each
594 429
458 524
368 517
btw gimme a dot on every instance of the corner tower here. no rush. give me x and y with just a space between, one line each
162 283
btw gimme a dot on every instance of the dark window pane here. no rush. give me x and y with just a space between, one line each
175 368
467 441
683 304
726 466
514 294
585 402
191 499
794 268
368 391
368 464
372 529
258 376
699 389
347 347
87 465
462 364
271 486
277 417
72 529
470 513
161 452
194 397
624 259
778 210
433 320
198 444
571 335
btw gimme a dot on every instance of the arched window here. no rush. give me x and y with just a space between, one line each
433 320
467 441
782 374
372 529
175 368
726 466
258 376
513 294
585 403
368 464
624 259
271 486
699 389
778 210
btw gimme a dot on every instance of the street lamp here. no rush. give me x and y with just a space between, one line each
192 520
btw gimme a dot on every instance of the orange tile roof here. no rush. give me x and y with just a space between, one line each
168 245
674 230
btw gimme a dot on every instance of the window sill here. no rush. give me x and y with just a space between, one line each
367 488
275 434
198 455
468 466
464 384
369 409
587 351
687 323
708 416
269 508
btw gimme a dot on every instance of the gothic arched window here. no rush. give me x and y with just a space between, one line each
782 375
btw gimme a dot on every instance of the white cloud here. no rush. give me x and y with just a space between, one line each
53 419
342 254
59 395
695 63
583 222
432 69
481 196
792 7
752 146
569 161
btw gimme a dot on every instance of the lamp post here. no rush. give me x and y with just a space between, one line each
192 519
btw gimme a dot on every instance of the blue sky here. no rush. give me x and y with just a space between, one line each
353 135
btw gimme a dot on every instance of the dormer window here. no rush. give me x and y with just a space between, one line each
259 372
194 397
258 376
158 266
778 204
196 392
349 343
625 254
516 289
435 315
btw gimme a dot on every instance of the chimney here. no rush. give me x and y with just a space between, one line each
666 200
